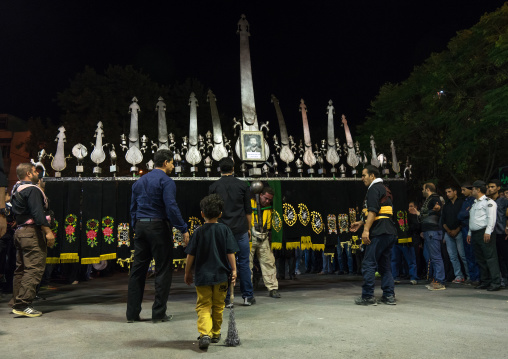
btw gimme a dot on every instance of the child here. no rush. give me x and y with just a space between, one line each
212 249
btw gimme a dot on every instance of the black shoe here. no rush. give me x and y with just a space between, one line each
482 286
366 301
137 319
249 301
215 340
204 342
341 272
228 304
274 293
493 288
166 318
388 300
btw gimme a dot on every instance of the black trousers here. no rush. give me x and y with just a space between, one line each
502 253
152 240
486 257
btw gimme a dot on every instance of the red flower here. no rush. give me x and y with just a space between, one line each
91 234
107 231
401 222
69 229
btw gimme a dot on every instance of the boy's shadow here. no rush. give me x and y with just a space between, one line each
172 344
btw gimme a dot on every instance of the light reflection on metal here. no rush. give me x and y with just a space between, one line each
332 156
308 156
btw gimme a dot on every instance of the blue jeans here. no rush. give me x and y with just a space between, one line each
455 248
347 249
310 260
378 255
474 271
242 266
433 241
327 264
408 252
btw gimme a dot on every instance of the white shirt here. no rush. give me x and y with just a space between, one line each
482 215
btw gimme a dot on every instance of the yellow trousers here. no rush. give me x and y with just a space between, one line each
209 308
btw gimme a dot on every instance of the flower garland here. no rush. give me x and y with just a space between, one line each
402 220
54 229
289 214
303 215
92 225
70 228
107 229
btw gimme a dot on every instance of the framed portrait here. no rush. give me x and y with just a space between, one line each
252 146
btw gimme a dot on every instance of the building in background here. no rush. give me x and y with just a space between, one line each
14 134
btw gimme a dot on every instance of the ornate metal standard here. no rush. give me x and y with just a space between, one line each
308 156
352 158
98 155
219 151
112 155
332 155
160 107
374 160
284 150
395 162
80 152
58 163
193 155
133 154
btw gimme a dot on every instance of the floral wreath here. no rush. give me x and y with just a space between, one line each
402 220
107 229
92 225
54 229
317 222
289 214
70 227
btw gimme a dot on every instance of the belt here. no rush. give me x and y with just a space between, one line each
150 220
384 210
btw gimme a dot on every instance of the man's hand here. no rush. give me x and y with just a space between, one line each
437 207
365 237
233 278
50 239
413 210
250 235
186 239
355 226
468 239
486 238
188 278
3 225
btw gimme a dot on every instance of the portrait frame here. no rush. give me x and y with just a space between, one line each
250 151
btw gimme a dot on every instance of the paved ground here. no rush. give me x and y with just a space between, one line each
315 317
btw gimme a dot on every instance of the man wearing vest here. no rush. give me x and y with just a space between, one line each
482 221
260 242
31 239
379 235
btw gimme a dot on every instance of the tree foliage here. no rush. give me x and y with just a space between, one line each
460 134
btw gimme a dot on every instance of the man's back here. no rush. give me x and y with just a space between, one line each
236 196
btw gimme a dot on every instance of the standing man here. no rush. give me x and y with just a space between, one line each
379 235
31 239
482 221
237 215
501 229
474 271
153 211
261 244
429 217
453 235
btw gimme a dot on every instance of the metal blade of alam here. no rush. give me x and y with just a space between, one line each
395 162
286 154
308 156
163 128
352 158
58 163
219 151
331 154
193 156
133 132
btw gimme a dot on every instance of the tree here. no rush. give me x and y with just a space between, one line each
450 115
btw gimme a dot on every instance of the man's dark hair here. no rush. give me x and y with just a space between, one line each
23 168
467 185
226 165
161 156
496 182
452 187
211 206
482 186
430 186
268 190
373 170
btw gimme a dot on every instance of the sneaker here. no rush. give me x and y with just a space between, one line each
437 286
388 300
468 282
458 280
166 318
431 284
396 281
249 301
297 272
204 342
274 293
413 282
365 301
27 312
215 340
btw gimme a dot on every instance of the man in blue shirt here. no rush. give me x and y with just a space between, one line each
463 216
501 228
153 211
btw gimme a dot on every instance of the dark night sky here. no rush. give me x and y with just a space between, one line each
315 50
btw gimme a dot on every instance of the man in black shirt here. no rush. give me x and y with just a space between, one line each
31 239
237 214
379 235
453 235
